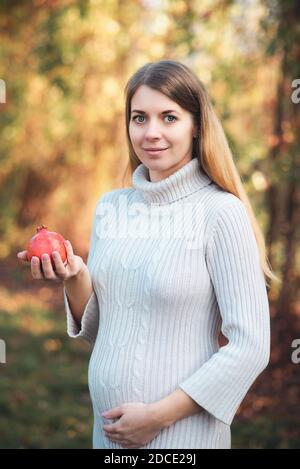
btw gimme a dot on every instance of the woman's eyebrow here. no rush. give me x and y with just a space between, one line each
143 112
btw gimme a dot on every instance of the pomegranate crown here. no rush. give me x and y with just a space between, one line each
42 227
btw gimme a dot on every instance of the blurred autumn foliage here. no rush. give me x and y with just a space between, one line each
65 64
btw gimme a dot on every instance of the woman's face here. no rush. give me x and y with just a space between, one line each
156 128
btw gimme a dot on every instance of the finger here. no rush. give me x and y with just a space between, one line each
36 268
22 256
112 431
47 267
59 265
119 440
70 252
110 428
128 445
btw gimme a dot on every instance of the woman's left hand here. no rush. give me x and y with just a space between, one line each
136 426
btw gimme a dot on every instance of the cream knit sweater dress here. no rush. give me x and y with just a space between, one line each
173 263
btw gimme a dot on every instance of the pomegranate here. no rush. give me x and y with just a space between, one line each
45 242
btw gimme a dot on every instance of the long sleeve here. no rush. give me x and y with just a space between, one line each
90 317
232 258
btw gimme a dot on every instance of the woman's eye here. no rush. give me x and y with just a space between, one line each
136 117
169 115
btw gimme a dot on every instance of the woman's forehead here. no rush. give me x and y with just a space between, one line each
146 99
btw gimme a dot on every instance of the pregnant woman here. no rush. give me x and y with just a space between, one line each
174 260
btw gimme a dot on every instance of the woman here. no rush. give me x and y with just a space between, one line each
174 260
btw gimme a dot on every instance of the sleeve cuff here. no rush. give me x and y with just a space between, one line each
89 321
208 405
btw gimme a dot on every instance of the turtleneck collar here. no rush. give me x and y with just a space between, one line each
188 179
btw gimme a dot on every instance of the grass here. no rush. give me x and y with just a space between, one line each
268 432
44 398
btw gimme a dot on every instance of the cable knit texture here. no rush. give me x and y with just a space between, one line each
161 298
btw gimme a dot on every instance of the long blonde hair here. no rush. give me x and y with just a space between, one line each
181 85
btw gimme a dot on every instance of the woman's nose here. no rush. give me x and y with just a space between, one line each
152 130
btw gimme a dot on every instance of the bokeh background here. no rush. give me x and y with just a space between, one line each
64 64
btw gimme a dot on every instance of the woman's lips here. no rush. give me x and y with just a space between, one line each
155 152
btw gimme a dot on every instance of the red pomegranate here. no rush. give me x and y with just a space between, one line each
46 242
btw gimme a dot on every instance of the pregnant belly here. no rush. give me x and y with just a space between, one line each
113 378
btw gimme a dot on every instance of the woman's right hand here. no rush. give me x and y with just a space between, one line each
43 270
